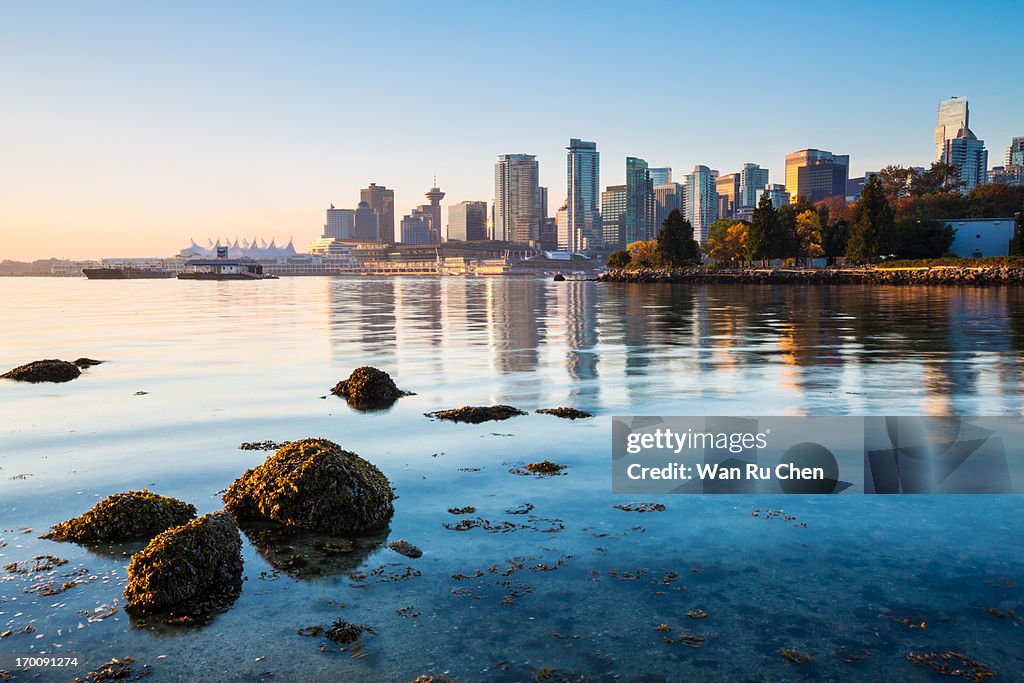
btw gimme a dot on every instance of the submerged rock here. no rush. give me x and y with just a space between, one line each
309 555
369 387
193 568
566 413
49 370
345 632
403 547
476 414
115 670
314 484
125 516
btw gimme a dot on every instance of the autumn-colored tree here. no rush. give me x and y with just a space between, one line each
727 241
837 207
644 254
808 235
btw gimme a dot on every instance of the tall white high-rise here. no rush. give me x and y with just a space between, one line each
517 202
953 115
968 154
341 223
701 201
583 196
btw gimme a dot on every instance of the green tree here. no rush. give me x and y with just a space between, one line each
994 201
872 218
619 259
764 229
786 243
676 246
911 238
940 177
897 181
1017 243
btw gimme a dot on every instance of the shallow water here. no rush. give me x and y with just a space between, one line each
195 368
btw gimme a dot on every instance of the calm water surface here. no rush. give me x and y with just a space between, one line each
196 368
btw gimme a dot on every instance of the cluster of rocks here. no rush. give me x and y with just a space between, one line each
193 566
944 275
50 370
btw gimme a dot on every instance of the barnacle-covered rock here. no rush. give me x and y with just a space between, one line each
477 414
194 568
125 516
369 387
49 370
566 413
314 484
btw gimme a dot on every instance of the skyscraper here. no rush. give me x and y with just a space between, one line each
661 175
826 179
340 223
667 197
1015 152
954 114
968 154
728 188
753 178
382 200
583 193
416 227
777 193
562 236
639 201
701 201
433 210
367 223
467 222
613 216
517 201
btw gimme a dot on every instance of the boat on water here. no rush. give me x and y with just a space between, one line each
224 269
126 273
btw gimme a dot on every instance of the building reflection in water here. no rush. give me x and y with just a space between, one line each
728 349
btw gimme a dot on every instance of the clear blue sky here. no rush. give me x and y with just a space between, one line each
130 127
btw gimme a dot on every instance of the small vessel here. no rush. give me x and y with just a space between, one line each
126 273
224 269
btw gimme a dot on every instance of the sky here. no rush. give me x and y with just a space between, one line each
129 128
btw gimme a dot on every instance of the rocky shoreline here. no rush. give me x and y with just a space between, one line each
941 275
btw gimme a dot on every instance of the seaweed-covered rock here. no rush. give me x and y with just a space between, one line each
49 370
403 547
125 516
566 413
476 414
194 568
345 632
369 387
314 484
87 362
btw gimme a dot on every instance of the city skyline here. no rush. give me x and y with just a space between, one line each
120 143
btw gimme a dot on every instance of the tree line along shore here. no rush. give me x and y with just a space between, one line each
899 216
